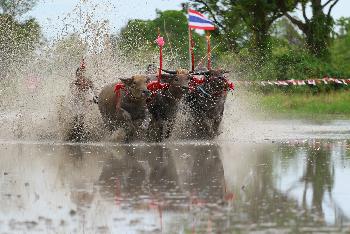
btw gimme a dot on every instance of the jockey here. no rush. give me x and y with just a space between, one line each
82 84
82 95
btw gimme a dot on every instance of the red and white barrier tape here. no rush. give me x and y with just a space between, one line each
313 82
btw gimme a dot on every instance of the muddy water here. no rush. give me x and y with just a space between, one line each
286 186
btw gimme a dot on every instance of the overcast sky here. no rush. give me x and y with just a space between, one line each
51 12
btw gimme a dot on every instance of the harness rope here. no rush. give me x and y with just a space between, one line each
117 90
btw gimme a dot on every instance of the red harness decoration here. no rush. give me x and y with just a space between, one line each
231 85
155 85
118 87
195 81
117 90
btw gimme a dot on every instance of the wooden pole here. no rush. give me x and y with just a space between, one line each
191 45
160 63
189 49
160 59
209 50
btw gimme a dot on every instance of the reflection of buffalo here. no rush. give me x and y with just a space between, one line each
124 107
121 172
206 173
136 172
153 172
206 105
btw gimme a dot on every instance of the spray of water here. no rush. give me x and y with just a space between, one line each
37 102
37 99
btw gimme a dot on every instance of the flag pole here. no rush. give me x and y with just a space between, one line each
209 50
190 41
189 49
191 45
160 56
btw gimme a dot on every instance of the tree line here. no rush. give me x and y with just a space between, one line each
18 36
261 39
255 18
262 34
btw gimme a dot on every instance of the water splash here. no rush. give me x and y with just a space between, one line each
36 99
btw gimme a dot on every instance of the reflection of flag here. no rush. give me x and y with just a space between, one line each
197 20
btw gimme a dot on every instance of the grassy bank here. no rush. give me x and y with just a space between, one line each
308 105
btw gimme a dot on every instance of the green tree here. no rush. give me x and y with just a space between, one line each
138 36
283 29
16 38
231 31
257 17
344 26
16 8
340 52
340 49
318 28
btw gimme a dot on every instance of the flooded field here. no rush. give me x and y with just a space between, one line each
102 73
270 185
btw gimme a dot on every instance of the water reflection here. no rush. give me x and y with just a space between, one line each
314 186
157 174
318 177
175 188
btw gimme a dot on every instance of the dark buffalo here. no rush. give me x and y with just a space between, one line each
206 103
164 104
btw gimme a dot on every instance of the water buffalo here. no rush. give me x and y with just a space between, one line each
164 105
206 104
123 106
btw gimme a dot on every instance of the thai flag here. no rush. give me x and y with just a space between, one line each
197 20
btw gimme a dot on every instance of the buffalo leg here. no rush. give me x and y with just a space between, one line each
155 131
77 132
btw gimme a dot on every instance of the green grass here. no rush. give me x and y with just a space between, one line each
304 105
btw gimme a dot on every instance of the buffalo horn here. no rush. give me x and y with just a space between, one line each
169 72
